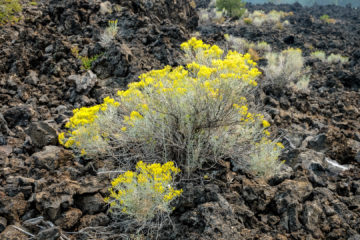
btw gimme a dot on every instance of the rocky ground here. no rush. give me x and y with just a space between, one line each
48 193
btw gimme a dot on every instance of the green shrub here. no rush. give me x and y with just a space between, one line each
190 115
327 19
8 11
86 62
145 195
233 7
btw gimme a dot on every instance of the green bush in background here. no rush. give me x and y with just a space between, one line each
8 11
234 8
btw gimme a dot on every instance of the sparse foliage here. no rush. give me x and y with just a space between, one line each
110 32
285 67
85 61
332 58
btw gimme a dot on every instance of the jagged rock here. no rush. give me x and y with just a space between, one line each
3 126
318 142
2 140
286 172
5 150
42 134
355 186
49 234
32 78
355 237
312 216
288 199
19 115
257 195
317 180
100 219
13 207
69 218
51 158
11 233
343 189
91 204
105 8
54 197
84 83
357 157
112 63
3 224
212 219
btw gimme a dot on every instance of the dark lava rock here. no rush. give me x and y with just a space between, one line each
355 237
84 83
32 78
3 126
19 115
286 172
49 234
11 233
3 224
100 219
52 158
91 204
42 134
69 218
317 143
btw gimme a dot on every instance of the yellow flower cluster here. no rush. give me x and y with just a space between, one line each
150 182
82 117
87 115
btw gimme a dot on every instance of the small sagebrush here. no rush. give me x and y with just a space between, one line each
285 67
319 55
110 32
337 58
144 195
259 17
243 46
332 58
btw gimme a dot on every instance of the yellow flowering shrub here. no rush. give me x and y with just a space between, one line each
145 193
189 114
